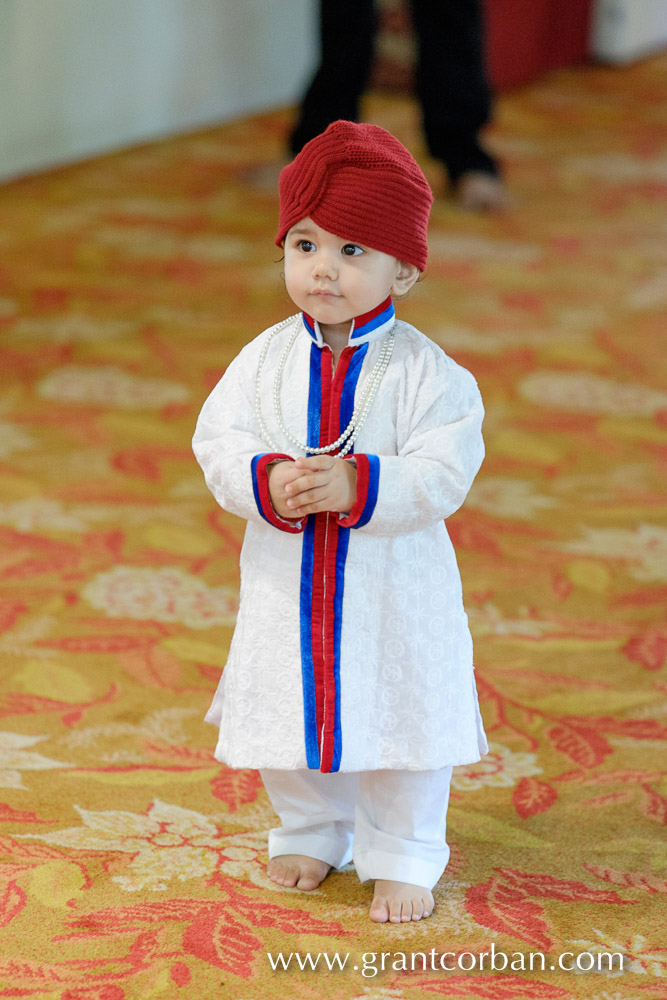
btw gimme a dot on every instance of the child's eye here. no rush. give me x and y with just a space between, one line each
306 245
351 250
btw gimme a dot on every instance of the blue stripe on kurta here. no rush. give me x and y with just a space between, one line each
350 387
314 397
341 556
306 593
372 495
345 414
255 484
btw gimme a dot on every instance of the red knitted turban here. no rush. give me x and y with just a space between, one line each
358 182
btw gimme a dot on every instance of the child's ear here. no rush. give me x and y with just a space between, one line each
406 275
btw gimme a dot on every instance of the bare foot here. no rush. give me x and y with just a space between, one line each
477 191
399 902
297 870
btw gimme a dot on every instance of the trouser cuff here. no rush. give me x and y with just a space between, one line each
312 845
399 868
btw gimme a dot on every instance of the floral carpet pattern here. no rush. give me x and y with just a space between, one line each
132 865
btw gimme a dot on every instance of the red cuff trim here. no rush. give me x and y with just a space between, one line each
260 485
363 479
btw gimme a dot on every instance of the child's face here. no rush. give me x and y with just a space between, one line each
334 280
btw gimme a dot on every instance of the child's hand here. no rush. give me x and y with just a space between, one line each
322 483
280 474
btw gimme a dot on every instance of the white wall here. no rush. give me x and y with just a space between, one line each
80 77
627 29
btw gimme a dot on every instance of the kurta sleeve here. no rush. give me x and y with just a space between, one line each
440 450
230 451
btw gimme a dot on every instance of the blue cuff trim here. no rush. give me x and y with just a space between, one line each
372 495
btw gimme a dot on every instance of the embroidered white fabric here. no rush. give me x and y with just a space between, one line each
408 697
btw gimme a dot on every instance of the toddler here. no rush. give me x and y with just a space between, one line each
344 437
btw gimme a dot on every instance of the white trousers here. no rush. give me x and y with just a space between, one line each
392 824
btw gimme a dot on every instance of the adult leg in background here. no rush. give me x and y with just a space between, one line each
451 83
347 42
455 96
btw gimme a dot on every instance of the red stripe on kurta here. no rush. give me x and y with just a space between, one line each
362 494
329 431
319 545
317 618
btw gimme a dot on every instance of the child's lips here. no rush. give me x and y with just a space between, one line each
323 293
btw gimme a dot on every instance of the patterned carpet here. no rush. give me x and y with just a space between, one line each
132 864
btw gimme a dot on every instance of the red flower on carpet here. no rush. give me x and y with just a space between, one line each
12 901
634 880
648 648
222 933
532 797
504 903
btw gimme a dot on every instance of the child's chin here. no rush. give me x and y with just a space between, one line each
330 317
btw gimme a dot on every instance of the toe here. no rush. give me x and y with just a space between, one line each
278 872
379 910
395 911
297 870
308 880
273 871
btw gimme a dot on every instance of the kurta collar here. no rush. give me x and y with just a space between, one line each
371 326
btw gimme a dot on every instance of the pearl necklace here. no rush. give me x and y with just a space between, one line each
361 408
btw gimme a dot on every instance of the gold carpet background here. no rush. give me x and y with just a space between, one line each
132 864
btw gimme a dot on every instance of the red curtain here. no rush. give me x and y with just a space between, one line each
526 38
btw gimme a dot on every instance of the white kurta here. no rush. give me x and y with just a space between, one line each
352 649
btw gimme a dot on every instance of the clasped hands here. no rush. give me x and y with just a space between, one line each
313 484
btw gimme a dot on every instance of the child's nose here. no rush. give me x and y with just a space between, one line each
324 265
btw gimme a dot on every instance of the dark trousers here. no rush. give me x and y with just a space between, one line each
451 82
